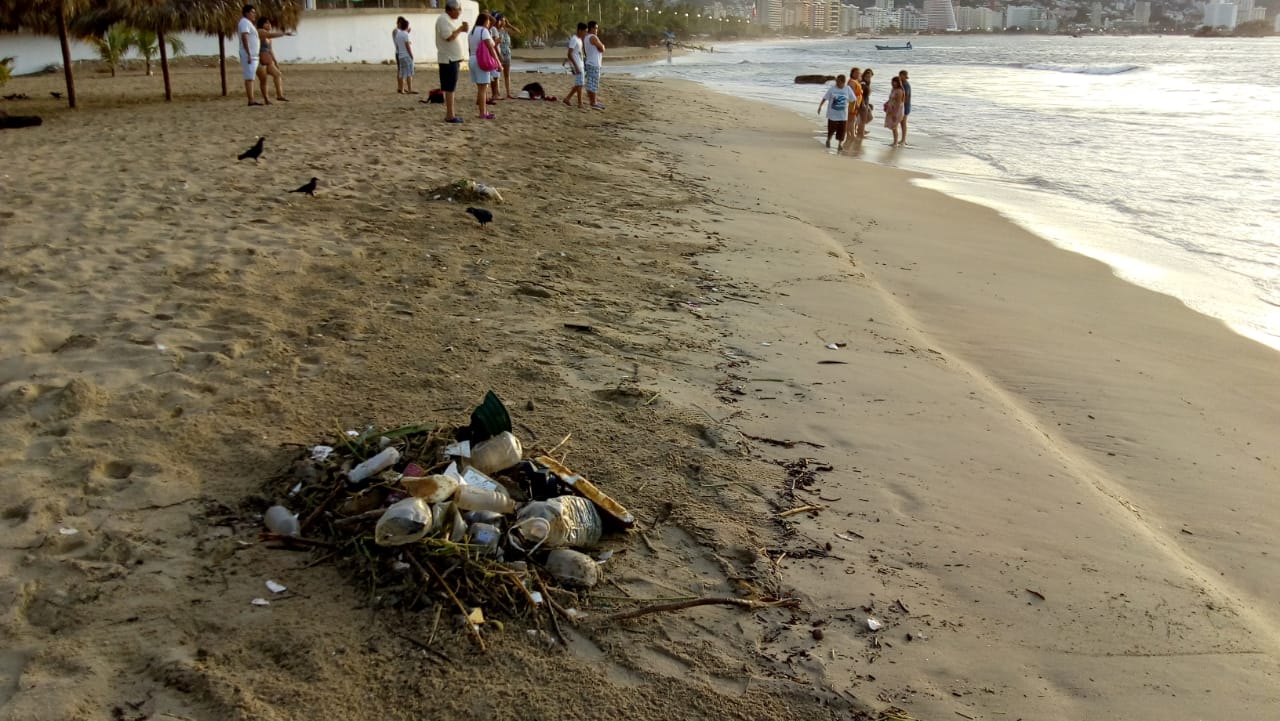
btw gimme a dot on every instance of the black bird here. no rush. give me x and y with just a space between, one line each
55 94
255 152
309 188
481 215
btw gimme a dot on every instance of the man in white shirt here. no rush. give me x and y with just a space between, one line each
404 57
247 32
451 50
594 61
575 61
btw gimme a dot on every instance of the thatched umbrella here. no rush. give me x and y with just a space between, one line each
46 17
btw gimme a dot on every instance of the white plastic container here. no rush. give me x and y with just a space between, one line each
404 522
496 454
573 568
375 465
278 519
474 498
563 521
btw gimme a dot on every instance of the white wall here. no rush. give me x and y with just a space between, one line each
324 36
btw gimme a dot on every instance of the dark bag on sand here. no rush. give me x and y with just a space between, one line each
535 91
435 97
19 121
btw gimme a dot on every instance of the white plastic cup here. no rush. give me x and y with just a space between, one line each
404 522
496 454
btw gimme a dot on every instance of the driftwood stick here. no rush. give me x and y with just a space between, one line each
337 488
801 509
424 646
709 601
558 445
295 540
427 570
552 609
359 517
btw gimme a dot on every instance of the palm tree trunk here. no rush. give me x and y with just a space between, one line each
164 64
66 56
222 60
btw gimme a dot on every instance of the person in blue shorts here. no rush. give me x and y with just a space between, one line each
594 60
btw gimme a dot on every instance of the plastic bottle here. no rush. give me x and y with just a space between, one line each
496 454
484 535
432 489
404 522
374 465
278 519
493 518
572 568
562 521
474 498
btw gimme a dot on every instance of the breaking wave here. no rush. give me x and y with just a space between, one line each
1081 69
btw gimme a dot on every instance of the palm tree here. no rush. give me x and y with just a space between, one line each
114 44
148 46
46 17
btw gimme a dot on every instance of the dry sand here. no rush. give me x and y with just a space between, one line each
1010 417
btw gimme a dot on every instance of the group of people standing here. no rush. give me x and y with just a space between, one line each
586 56
851 98
257 59
486 48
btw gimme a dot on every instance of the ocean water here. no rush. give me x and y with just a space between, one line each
1159 156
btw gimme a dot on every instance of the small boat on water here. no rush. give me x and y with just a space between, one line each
895 47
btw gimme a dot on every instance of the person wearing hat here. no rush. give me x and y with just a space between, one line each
451 50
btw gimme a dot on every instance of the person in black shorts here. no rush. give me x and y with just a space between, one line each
451 50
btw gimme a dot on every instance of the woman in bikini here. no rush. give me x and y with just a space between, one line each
267 64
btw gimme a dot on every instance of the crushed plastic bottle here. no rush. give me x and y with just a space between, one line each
404 522
279 520
573 568
474 498
496 454
563 521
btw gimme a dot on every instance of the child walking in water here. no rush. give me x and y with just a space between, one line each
841 97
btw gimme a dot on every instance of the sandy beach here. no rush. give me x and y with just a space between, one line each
1052 491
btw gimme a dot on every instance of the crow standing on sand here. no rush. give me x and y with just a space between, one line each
481 215
255 152
309 188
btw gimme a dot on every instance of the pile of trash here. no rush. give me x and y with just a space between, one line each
466 191
424 509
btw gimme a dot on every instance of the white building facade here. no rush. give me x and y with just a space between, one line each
940 14
981 19
1220 15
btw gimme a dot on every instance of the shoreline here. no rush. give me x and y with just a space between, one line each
1006 416
1036 437
1065 220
